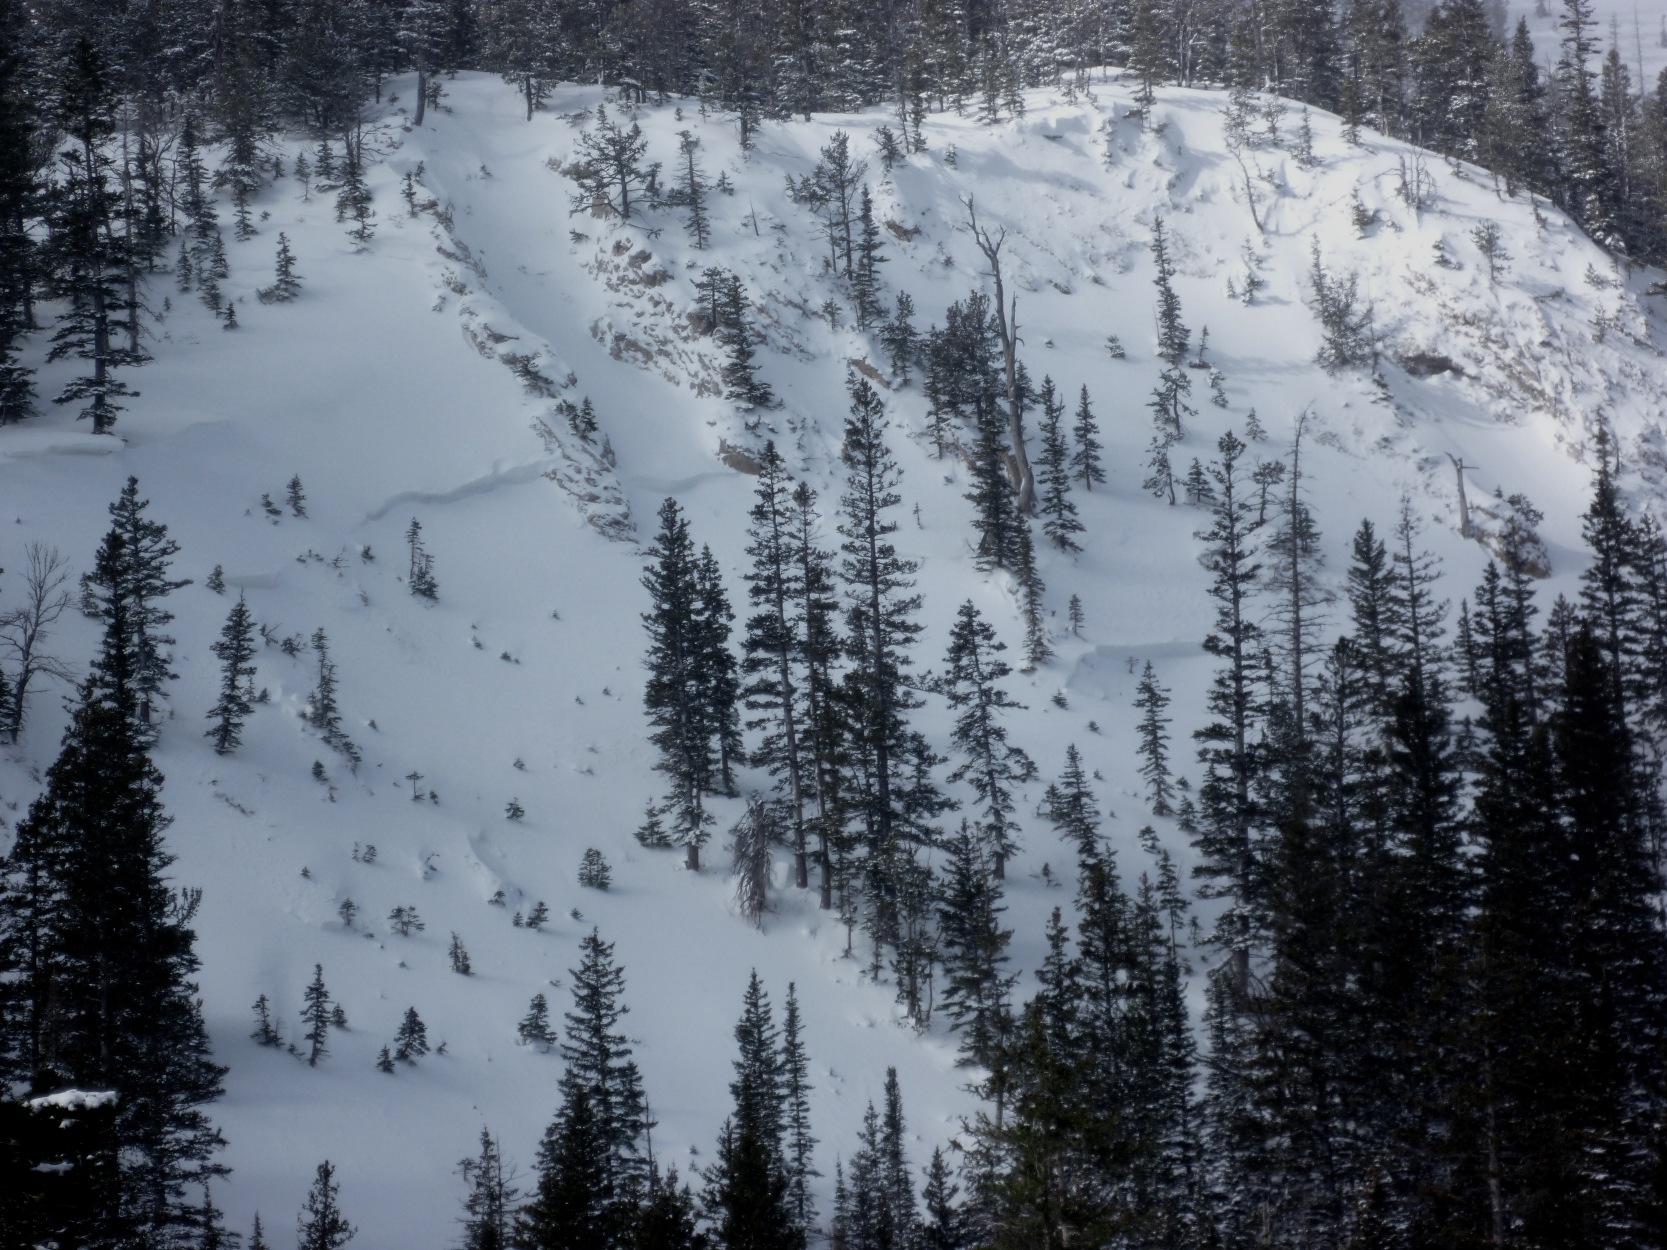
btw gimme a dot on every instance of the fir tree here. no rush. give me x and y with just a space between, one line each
458 954
694 191
130 579
798 1145
315 1014
865 273
235 651
420 578
674 697
594 873
411 1041
534 1029
899 338
1059 512
600 1067
974 947
1153 700
1173 335
286 284
489 1206
1085 459
322 1225
989 761
322 713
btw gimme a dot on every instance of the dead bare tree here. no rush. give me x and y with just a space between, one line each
24 631
750 845
1007 328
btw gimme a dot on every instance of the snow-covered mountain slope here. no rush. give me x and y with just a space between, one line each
420 377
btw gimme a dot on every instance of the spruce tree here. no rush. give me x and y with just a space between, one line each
534 1029
865 273
798 1144
315 1014
974 948
599 1066
489 1207
694 191
100 962
1153 700
574 1205
96 259
130 577
411 1040
674 696
1085 459
235 651
322 1225
882 626
988 761
1059 512
1173 335
1228 844
322 713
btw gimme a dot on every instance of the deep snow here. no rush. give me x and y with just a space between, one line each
385 388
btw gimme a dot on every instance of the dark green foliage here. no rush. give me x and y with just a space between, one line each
489 1206
991 764
235 651
1059 512
974 948
322 1225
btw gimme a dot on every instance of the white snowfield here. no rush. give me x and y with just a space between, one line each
421 378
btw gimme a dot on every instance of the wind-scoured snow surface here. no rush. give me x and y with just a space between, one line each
420 378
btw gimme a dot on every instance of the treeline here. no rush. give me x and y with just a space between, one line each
103 107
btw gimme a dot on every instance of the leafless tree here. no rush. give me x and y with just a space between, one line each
24 631
1007 328
750 845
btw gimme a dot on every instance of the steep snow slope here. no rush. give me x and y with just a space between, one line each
420 378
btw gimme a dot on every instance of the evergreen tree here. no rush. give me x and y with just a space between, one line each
1153 700
96 260
1228 845
610 170
675 694
100 959
719 677
286 283
798 1145
747 1198
898 336
411 1041
235 651
129 580
775 647
1085 460
489 1207
989 761
974 947
574 1204
882 625
322 1225
420 578
322 713
316 1014
1173 335
600 1067
694 191
757 1085
1059 512
534 1029
865 273
735 332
